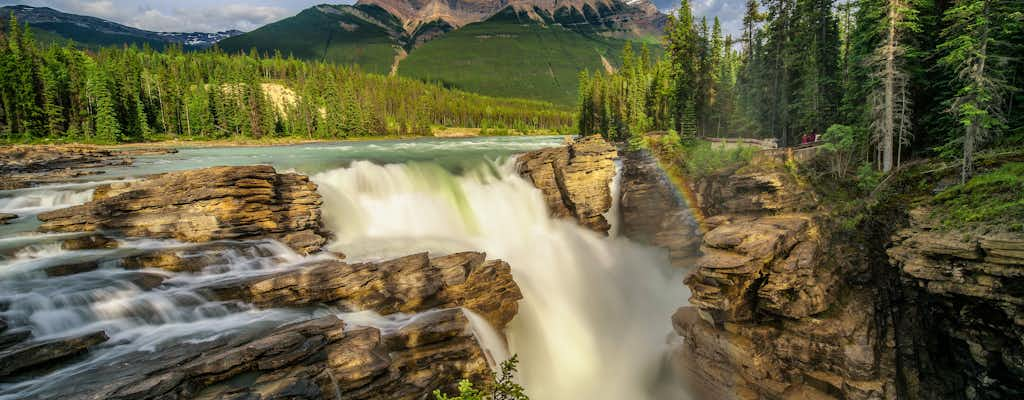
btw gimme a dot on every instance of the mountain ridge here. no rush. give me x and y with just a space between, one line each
93 31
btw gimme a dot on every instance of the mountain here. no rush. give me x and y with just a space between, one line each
524 48
53 25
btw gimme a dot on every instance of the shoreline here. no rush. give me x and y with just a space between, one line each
251 142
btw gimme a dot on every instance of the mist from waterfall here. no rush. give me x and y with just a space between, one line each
594 322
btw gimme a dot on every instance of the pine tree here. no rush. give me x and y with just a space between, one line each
972 45
683 52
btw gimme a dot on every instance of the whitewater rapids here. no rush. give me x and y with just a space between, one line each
595 319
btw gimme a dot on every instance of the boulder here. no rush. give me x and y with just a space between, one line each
246 202
7 218
574 179
28 355
409 284
322 358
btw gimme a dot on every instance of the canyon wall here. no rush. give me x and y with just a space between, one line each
789 303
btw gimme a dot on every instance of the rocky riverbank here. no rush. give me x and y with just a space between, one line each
574 179
225 215
25 166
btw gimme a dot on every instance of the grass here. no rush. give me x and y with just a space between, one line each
511 57
992 197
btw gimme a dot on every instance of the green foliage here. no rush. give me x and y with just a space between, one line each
992 197
868 177
505 57
341 37
128 95
701 158
844 142
501 387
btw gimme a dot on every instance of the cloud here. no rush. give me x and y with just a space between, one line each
179 15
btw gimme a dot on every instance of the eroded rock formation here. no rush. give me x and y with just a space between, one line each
788 303
322 358
409 284
574 179
24 166
652 212
774 313
248 202
963 310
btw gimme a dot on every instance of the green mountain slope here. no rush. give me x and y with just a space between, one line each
511 55
52 26
365 35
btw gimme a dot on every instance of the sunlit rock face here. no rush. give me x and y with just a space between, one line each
634 18
322 358
963 309
574 179
777 311
408 284
249 202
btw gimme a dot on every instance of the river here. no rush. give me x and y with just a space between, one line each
594 322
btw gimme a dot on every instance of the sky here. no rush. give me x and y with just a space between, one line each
246 15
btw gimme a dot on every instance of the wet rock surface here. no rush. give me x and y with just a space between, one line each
25 166
248 202
38 354
7 217
574 179
652 212
409 284
322 358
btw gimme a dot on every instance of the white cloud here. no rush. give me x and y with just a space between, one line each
180 15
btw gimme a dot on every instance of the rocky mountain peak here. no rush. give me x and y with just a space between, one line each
457 13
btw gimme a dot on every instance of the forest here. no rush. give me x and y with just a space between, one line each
61 93
880 80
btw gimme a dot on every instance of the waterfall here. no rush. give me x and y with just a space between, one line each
594 323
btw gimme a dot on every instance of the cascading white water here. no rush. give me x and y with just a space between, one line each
595 318
36 201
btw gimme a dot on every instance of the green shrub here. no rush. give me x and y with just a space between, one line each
996 196
701 158
502 386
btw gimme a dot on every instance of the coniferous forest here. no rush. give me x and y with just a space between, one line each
55 92
882 79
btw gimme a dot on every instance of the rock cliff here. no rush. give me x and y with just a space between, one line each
962 325
651 210
776 311
248 202
574 179
789 303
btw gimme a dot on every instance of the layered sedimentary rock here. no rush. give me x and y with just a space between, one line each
777 310
962 318
24 166
322 358
247 202
40 354
574 179
652 212
409 284
754 189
